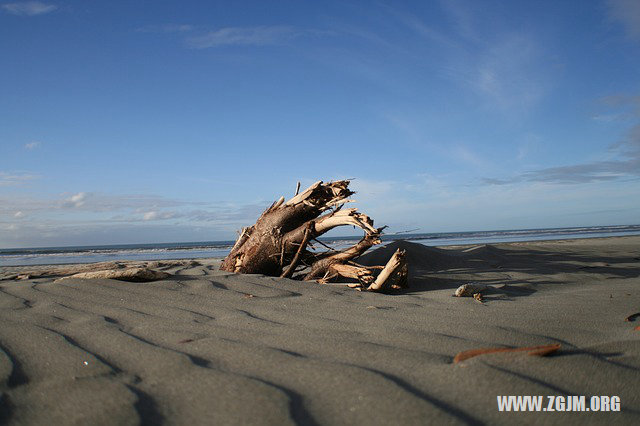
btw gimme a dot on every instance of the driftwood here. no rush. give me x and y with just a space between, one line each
279 243
136 275
542 350
123 270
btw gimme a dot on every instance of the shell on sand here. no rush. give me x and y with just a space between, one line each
127 274
468 290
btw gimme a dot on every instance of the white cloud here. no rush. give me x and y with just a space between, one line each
249 36
161 215
7 179
32 145
607 118
76 234
150 216
29 8
98 202
95 206
627 12
77 200
57 221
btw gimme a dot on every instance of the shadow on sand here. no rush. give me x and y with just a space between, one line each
514 271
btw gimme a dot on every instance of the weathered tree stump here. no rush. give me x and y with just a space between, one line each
278 243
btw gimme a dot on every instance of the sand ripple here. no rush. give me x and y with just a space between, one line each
207 347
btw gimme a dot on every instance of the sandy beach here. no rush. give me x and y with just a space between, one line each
209 347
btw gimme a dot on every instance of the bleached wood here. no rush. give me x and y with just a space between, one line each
303 195
392 274
345 217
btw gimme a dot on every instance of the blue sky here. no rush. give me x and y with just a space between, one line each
132 122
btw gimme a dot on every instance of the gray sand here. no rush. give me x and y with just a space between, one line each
209 347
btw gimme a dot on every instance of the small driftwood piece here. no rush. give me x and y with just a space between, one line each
542 350
128 274
123 270
279 243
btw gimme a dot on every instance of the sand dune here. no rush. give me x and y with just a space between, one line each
209 347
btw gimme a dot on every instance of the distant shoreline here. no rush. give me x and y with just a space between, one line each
219 249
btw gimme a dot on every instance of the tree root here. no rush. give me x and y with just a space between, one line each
277 244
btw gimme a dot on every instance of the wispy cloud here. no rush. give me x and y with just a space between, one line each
436 203
464 155
248 36
620 108
527 144
418 26
509 73
507 69
160 215
76 234
76 200
227 214
32 145
621 161
29 8
463 17
590 172
606 118
98 202
13 179
627 13
622 101
92 206
96 218
166 28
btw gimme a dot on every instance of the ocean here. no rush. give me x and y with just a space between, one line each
194 250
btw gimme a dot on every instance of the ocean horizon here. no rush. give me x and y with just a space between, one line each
219 249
